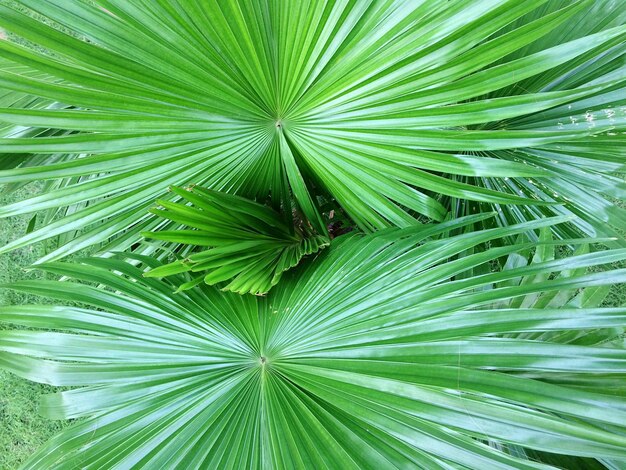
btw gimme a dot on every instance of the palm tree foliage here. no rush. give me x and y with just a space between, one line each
251 245
389 350
471 143
399 110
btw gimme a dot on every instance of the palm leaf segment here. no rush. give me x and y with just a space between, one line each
393 108
251 245
369 358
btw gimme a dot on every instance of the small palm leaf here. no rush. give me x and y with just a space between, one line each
251 245
398 110
381 354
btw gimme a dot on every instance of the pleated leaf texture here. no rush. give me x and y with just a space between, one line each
386 352
399 110
250 245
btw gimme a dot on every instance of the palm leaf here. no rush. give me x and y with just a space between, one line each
251 245
401 111
379 354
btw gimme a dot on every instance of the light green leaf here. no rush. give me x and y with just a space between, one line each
380 353
400 112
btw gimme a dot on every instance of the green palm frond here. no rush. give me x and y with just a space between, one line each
586 168
566 300
382 353
251 245
399 110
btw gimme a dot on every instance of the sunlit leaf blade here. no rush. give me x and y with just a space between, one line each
250 245
384 352
400 111
589 174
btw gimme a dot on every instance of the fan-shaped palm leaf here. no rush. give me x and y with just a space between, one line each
384 105
379 354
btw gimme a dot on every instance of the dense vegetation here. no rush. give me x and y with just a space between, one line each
284 234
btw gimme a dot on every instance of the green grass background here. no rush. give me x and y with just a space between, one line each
22 430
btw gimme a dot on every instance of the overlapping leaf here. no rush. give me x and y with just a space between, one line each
382 353
250 244
396 109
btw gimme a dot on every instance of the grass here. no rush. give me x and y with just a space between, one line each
22 429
